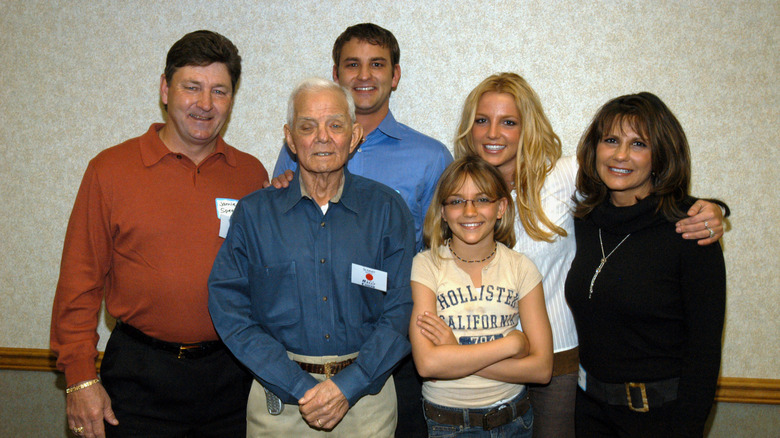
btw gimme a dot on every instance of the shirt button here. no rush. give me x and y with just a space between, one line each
322 260
324 298
327 336
322 224
360 149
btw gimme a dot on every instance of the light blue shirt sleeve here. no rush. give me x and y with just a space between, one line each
285 161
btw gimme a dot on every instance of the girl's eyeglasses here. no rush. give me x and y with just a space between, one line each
460 203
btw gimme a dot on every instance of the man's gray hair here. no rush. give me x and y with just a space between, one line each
318 84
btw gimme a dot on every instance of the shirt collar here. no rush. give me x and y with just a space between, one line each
390 127
296 191
153 149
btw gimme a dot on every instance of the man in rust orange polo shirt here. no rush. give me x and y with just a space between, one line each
149 218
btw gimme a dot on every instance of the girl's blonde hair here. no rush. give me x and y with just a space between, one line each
537 153
488 180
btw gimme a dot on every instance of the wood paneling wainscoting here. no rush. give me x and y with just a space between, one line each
31 359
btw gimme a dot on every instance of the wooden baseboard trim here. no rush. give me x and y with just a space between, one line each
31 359
746 390
730 389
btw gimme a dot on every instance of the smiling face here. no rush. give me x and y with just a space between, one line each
199 100
322 134
367 71
624 164
496 131
472 223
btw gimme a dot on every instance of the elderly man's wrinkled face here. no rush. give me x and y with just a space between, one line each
322 134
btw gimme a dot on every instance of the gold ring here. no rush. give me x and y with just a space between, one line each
78 430
319 423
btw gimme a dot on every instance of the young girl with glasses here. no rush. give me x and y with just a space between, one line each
469 290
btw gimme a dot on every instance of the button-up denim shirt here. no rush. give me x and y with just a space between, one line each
282 282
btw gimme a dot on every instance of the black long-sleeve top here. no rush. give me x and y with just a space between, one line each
657 307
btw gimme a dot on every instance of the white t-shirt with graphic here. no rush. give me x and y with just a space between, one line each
475 315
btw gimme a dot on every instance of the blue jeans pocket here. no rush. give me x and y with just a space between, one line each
441 430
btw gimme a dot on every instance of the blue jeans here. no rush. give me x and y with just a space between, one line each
521 427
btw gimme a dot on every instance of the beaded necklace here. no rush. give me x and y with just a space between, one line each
449 245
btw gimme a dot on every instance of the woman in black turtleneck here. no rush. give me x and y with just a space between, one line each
648 306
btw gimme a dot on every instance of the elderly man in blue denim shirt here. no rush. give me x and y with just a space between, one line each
311 288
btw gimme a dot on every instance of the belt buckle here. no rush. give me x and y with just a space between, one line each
327 367
645 407
184 349
490 414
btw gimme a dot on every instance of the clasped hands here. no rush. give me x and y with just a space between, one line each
323 406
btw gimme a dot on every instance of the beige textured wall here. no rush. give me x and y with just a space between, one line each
78 77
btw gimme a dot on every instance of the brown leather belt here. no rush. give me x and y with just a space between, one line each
487 418
330 369
566 362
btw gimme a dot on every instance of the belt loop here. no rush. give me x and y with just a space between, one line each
645 407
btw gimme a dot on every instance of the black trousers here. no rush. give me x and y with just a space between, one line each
408 389
155 394
596 419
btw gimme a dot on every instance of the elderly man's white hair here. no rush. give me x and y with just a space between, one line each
318 84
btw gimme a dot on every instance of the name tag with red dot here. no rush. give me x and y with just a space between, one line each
369 277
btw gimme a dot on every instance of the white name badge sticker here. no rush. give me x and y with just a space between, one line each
224 226
225 207
368 277
582 379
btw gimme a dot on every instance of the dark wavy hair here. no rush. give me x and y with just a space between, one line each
202 48
670 156
372 34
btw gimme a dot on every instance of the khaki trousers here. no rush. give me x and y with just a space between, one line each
372 416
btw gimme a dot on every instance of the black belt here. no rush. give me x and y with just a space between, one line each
487 418
329 369
639 397
182 351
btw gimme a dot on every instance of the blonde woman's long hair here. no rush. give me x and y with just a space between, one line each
537 153
488 180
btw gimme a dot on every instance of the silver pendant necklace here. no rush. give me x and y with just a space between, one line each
603 260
